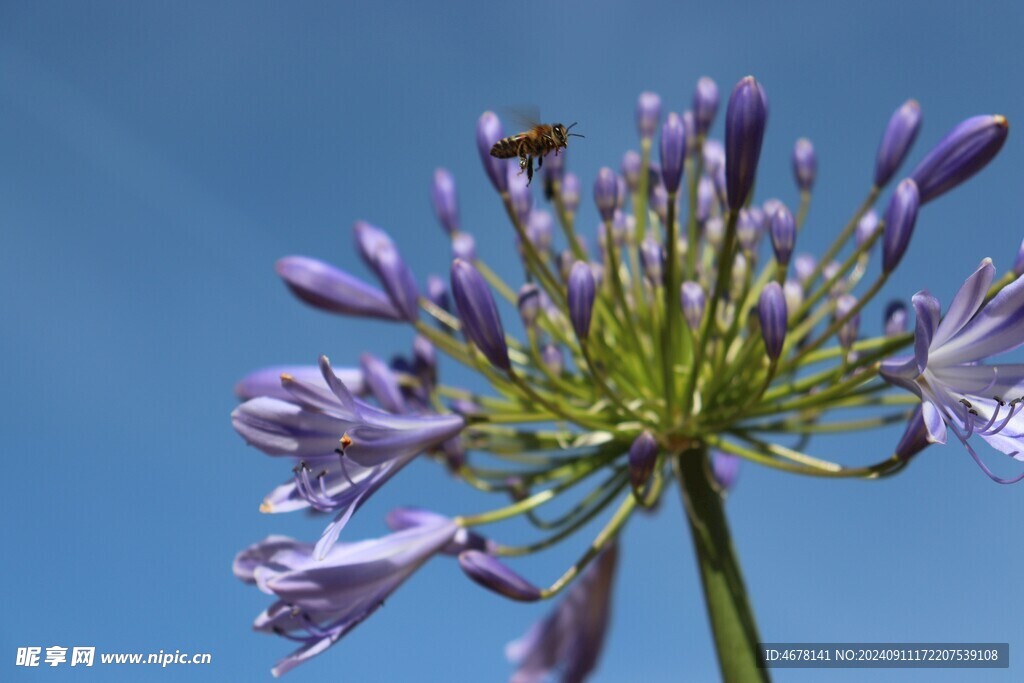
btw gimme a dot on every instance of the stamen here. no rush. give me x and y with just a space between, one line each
984 468
1015 407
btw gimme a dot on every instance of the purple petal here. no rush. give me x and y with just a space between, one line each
325 287
966 303
928 310
267 381
492 574
998 328
933 422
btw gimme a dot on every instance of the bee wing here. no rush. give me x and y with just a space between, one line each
520 117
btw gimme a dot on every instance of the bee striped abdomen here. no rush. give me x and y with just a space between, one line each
506 148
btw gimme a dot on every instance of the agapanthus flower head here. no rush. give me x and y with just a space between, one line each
675 350
897 140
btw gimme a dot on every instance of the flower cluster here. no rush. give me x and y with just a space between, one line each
678 344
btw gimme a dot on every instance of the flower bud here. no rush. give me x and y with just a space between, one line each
382 383
963 152
896 318
899 136
899 223
673 152
915 437
745 119
783 233
705 104
488 132
437 292
847 331
691 298
519 193
714 231
867 226
582 291
479 314
803 267
552 357
540 230
330 289
606 189
739 272
571 192
490 573
652 258
631 165
705 198
659 201
805 164
771 311
529 304
1018 263
725 467
794 293
446 205
643 455
554 165
689 132
464 247
648 114
381 255
424 360
747 231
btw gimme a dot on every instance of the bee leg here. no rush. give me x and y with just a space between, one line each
540 162
522 163
529 171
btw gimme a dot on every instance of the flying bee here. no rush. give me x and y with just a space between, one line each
535 143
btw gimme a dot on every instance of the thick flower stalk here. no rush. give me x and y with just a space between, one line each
688 334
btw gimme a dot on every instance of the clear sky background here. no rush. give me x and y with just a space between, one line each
157 158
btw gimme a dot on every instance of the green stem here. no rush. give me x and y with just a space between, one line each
732 619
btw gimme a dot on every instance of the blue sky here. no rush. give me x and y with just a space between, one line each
157 160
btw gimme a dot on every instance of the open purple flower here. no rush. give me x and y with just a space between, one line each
958 393
319 601
569 639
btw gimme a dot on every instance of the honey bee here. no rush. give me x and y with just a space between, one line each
535 143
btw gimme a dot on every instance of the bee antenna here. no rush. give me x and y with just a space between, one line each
576 135
570 127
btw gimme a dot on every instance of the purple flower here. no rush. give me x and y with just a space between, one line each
643 455
805 164
381 255
320 600
1018 263
631 169
958 393
915 437
673 152
464 246
745 120
570 638
606 191
899 136
803 267
705 198
692 302
726 468
867 226
582 290
446 203
783 233
963 152
895 318
325 287
317 423
571 192
529 303
519 193
437 292
553 358
771 310
652 258
648 113
705 104
479 314
847 331
489 131
899 223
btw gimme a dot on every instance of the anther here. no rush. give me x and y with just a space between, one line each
998 400
346 441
